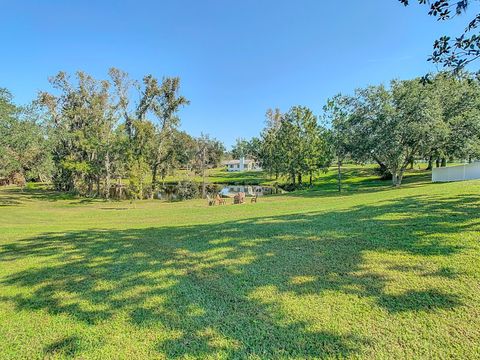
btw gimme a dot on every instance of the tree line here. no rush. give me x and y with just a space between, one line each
409 120
94 137
392 126
89 135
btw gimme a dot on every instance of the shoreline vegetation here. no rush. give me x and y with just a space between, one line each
356 178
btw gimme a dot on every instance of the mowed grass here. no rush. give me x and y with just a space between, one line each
373 273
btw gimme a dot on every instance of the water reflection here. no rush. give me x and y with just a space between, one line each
231 190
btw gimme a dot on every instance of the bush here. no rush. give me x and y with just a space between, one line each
29 186
18 179
213 188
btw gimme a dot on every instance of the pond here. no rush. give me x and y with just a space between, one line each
169 192
249 190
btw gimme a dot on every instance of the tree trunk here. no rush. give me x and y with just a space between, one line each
339 169
382 165
98 192
444 162
203 174
400 177
204 193
430 163
107 176
397 177
385 173
163 174
412 164
90 186
299 179
293 177
383 169
128 126
154 178
396 181
311 179
437 162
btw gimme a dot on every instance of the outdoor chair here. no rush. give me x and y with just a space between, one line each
210 201
220 200
239 198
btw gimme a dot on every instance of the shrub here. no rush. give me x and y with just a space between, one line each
213 188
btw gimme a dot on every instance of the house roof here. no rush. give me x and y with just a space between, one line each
237 162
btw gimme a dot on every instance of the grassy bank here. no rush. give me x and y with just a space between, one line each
352 174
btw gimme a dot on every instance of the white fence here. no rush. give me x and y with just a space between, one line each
457 173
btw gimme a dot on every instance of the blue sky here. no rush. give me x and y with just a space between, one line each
236 58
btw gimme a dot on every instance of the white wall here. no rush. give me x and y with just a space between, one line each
457 173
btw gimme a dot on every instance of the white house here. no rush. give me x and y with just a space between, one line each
242 165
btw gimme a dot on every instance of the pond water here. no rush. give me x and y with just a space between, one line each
252 190
170 192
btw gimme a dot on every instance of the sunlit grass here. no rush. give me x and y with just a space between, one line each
373 273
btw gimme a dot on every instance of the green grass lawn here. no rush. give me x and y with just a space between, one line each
374 273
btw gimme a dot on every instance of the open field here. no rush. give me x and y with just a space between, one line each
375 272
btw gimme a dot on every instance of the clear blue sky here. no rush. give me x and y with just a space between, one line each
236 58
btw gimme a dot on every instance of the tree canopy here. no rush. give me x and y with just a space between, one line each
293 144
454 53
103 131
408 120
23 144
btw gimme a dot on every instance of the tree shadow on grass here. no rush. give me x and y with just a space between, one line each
217 289
327 185
68 346
9 201
419 300
43 194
